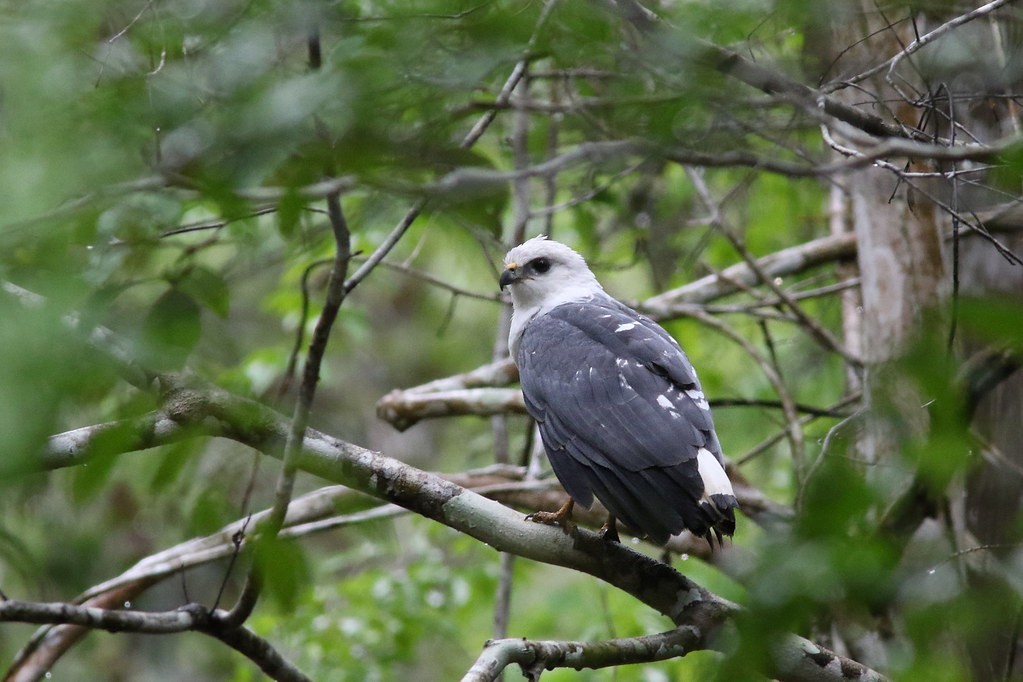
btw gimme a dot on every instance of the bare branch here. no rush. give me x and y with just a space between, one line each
403 409
150 622
756 75
502 482
436 281
467 142
822 335
925 39
260 652
191 617
215 411
337 290
219 412
473 179
677 302
772 440
536 656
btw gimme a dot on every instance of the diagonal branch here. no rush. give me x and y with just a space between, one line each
678 302
929 37
213 411
819 333
755 75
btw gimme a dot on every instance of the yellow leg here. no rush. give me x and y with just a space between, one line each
562 517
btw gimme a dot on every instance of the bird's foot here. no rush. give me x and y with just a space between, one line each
609 531
562 517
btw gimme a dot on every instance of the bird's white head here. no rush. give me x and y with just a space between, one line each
542 274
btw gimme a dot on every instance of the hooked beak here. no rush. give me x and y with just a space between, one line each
510 275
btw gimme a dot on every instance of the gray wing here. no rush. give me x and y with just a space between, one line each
621 414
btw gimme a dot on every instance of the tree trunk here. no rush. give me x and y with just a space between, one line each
906 263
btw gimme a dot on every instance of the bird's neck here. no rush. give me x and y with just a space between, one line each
524 312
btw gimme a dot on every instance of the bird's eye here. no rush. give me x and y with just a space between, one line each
541 265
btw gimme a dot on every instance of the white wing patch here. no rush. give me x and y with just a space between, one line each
698 398
665 402
715 480
628 326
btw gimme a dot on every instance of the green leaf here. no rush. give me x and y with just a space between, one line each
174 460
207 288
171 330
284 570
997 320
210 512
92 476
289 211
104 450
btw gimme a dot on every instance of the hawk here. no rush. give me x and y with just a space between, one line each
620 411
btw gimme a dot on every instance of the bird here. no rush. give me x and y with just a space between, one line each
619 407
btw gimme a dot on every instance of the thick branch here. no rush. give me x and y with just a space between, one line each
403 409
648 580
213 411
503 483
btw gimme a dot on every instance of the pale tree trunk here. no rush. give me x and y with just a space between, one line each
900 256
906 265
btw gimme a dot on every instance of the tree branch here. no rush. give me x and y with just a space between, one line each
918 43
405 408
819 333
191 617
216 412
677 302
767 80
533 657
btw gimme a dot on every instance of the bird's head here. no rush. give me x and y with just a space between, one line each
541 273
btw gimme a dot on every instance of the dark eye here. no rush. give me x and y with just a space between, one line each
541 265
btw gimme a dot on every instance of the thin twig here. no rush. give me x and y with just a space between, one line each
335 296
825 451
432 280
816 331
303 317
920 42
